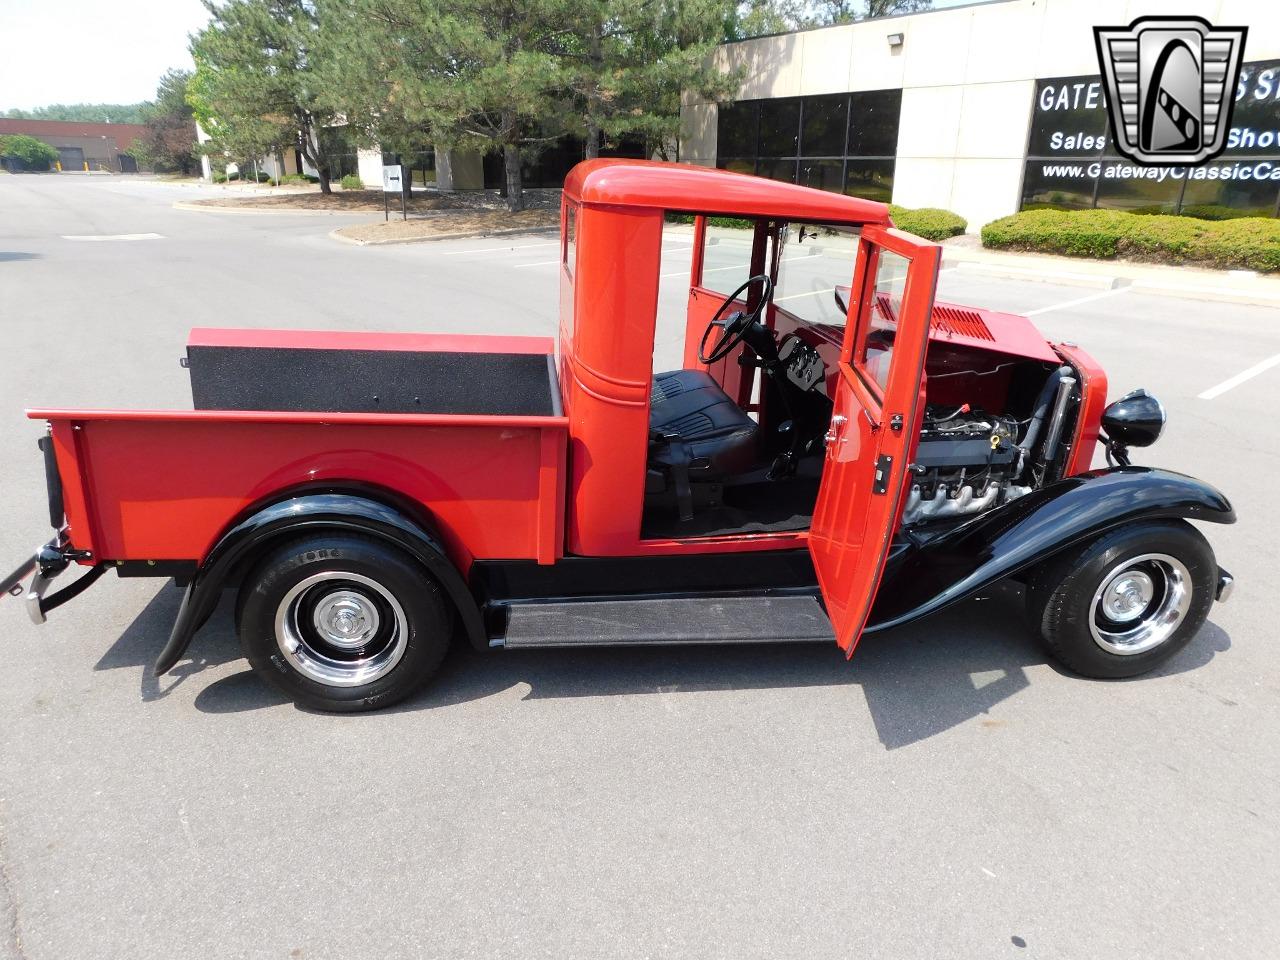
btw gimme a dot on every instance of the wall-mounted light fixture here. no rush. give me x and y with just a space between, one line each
895 39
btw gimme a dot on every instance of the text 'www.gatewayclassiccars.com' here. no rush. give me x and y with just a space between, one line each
1115 170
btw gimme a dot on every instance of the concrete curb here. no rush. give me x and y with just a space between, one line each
1170 281
1209 293
274 211
467 235
1014 272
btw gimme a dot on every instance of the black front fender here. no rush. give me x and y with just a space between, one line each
927 572
313 512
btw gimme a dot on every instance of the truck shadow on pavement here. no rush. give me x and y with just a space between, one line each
917 681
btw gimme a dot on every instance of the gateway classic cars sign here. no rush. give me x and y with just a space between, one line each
1072 161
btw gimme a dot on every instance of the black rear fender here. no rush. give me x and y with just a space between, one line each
314 513
929 571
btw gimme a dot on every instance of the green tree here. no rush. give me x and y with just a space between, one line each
82 112
826 12
628 61
255 82
760 18
757 18
353 80
472 74
34 154
240 141
170 140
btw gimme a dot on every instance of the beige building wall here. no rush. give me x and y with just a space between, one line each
459 170
968 84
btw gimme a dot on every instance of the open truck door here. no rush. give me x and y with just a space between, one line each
877 407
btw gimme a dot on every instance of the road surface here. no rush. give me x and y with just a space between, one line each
947 794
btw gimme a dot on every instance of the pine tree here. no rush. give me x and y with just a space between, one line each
629 61
470 74
254 86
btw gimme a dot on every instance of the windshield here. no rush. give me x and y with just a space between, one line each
815 269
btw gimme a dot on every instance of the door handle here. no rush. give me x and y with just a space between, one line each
837 421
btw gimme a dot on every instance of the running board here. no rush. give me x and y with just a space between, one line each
582 623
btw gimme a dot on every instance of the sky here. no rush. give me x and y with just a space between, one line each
100 51
91 51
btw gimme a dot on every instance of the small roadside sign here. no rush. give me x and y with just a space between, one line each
393 182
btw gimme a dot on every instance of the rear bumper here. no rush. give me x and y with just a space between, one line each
43 567
1226 584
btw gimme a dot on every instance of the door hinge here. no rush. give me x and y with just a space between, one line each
895 423
880 483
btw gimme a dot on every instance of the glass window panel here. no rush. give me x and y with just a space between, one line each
736 129
1255 122
779 127
873 123
1242 198
1063 186
875 349
1069 119
570 237
824 126
823 174
870 179
1136 193
737 164
806 284
726 258
777 169
673 296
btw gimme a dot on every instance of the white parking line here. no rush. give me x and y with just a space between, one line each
736 266
117 236
815 293
1260 367
522 246
539 263
519 246
1076 302
797 296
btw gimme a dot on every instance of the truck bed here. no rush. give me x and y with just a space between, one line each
371 372
485 462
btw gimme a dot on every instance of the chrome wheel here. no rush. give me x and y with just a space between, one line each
341 629
1140 604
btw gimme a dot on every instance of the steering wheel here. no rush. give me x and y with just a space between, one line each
736 326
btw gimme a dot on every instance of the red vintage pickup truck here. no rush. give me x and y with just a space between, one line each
836 454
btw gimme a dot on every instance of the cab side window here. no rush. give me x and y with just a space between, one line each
726 256
873 350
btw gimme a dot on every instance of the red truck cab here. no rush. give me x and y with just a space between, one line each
835 454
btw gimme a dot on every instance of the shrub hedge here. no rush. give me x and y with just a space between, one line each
736 223
1251 243
352 182
928 222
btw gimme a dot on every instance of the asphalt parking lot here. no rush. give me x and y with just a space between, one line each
948 793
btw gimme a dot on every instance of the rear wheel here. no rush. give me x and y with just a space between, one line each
343 623
1126 602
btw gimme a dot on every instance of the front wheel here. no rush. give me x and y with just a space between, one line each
343 623
1126 602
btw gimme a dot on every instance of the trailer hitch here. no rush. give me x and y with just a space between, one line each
47 562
